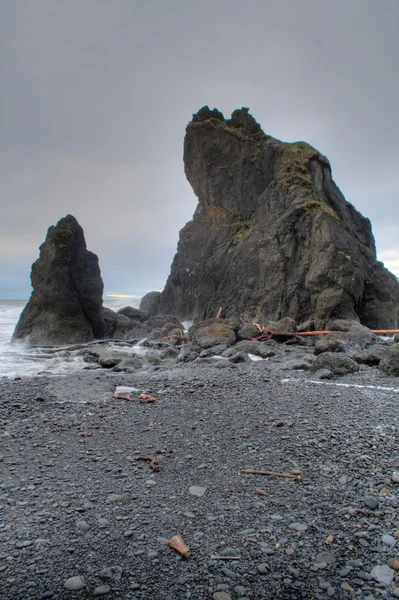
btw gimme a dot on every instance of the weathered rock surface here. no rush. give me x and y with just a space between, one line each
134 313
390 362
120 327
272 235
211 335
150 303
66 303
336 362
349 342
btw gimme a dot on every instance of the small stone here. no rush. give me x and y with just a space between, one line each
388 540
240 590
221 596
228 551
395 477
82 525
197 490
325 557
345 586
229 573
113 573
114 498
370 502
74 583
298 526
103 523
383 574
263 568
101 590
128 533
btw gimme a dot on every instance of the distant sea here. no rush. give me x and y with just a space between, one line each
18 360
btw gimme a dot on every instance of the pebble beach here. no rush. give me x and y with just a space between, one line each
83 518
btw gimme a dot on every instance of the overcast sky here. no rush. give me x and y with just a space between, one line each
96 94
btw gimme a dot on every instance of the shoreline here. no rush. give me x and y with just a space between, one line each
76 501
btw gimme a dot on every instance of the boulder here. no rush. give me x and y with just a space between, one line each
337 363
350 342
150 303
157 322
239 357
272 235
169 352
187 353
129 365
371 356
247 331
213 335
134 313
283 325
120 327
300 362
66 303
233 322
390 363
262 349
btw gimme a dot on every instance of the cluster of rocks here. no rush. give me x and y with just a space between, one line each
225 343
272 236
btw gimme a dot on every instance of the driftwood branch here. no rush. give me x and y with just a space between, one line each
258 472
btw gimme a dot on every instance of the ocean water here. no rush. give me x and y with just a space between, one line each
19 360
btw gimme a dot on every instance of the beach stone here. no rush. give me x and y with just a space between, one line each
113 573
370 502
390 363
383 574
114 498
228 551
82 525
197 490
336 362
101 590
395 477
74 583
325 557
207 336
221 596
263 568
298 526
388 540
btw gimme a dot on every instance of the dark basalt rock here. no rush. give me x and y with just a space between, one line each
66 303
390 362
134 313
150 303
272 235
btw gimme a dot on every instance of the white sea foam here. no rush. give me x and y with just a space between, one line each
20 360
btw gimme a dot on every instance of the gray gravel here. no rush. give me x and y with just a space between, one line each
82 518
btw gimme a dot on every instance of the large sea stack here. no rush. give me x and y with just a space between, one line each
66 302
272 235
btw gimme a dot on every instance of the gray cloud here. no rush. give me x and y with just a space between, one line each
96 95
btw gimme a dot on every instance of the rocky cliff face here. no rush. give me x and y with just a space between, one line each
272 235
66 302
